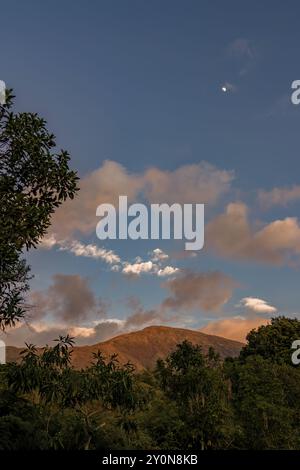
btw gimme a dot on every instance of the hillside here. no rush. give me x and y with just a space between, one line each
142 348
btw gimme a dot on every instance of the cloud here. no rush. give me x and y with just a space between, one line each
142 318
80 249
136 269
197 183
48 242
235 328
103 185
152 266
69 298
69 306
279 196
90 251
257 305
42 331
230 235
159 255
203 291
41 334
105 330
201 183
167 271
30 334
81 331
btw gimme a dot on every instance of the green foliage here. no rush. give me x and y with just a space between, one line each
198 386
161 421
273 341
266 388
110 382
34 180
21 425
49 375
190 401
266 401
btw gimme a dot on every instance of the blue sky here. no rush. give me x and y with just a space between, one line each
139 83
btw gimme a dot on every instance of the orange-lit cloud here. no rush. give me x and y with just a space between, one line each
199 183
235 328
279 196
231 235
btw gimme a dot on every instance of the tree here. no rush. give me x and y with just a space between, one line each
266 400
266 388
110 382
46 374
34 180
273 341
198 386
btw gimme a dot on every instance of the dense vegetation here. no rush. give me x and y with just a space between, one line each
190 400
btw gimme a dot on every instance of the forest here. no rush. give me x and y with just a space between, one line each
189 401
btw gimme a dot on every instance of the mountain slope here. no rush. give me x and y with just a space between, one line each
142 348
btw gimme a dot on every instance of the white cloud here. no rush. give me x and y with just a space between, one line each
138 268
80 249
152 266
257 305
167 271
158 255
81 331
116 268
91 251
48 242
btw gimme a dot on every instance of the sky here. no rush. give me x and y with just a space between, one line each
173 101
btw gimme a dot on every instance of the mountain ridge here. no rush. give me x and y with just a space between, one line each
143 347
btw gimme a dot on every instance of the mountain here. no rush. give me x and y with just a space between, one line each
142 348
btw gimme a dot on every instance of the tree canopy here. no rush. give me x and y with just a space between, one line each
273 341
191 400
